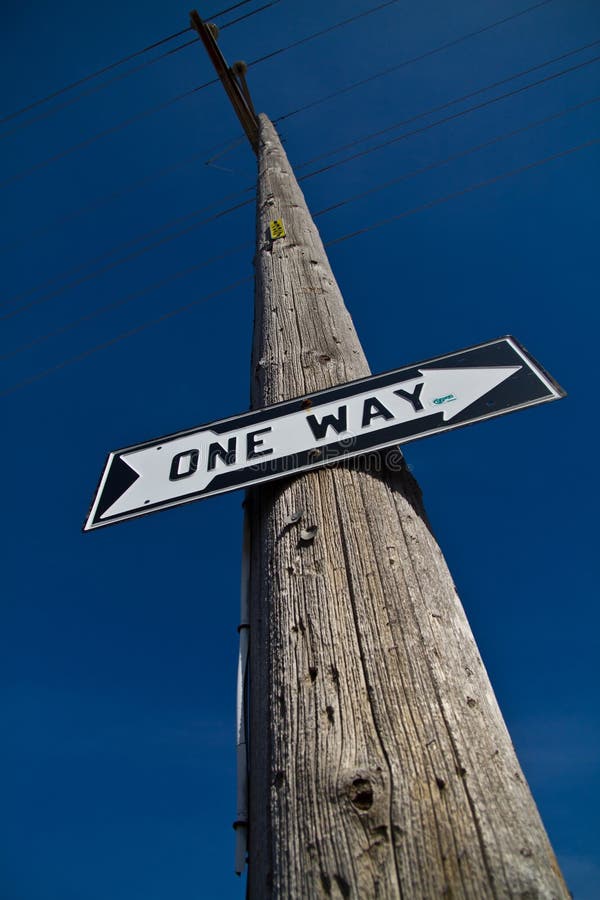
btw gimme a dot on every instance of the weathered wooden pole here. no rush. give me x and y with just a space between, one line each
380 765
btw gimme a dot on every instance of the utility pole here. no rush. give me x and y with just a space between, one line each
380 765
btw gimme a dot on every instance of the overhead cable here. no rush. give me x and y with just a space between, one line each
467 190
118 62
117 262
286 115
102 201
178 220
453 157
458 115
87 142
249 15
107 199
323 31
305 177
331 208
80 145
122 337
96 74
342 238
159 107
414 59
461 99
92 90
223 12
124 301
122 75
389 70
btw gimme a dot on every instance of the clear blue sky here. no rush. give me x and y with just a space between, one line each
119 647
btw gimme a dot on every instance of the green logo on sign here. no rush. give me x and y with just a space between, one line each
446 399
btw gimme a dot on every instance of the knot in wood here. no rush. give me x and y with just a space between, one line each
318 357
361 794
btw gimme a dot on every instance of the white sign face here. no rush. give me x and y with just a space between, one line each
308 432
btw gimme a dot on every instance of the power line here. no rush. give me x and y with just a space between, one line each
123 336
123 75
117 262
309 175
405 136
435 109
223 12
105 200
159 107
249 15
380 224
117 195
113 65
354 85
121 246
414 59
467 190
323 31
96 74
129 298
165 104
94 90
457 115
337 205
453 157
137 117
305 177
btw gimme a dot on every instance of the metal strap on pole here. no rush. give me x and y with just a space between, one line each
241 822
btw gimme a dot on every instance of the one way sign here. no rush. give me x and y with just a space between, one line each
348 420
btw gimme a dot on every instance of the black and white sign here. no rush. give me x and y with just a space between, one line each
348 420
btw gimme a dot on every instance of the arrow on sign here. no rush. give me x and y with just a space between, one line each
308 432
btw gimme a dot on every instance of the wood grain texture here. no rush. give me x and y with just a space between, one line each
380 765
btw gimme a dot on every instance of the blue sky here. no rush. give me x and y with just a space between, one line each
119 647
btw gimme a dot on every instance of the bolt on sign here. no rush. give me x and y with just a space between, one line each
348 420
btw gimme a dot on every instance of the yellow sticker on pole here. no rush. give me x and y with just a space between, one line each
276 228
